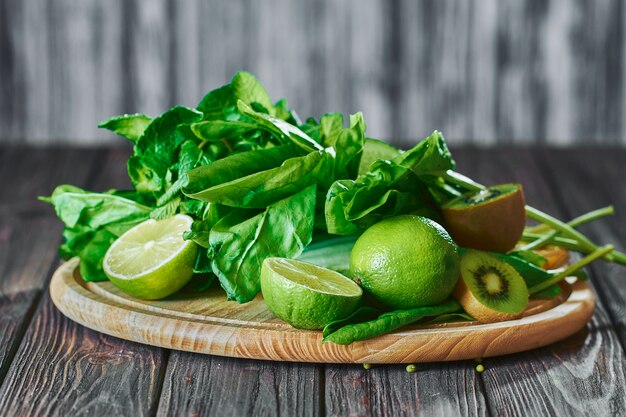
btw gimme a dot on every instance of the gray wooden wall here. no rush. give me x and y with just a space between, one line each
483 70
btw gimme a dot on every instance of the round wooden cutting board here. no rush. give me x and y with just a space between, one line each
207 323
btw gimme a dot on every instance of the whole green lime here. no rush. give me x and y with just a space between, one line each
406 262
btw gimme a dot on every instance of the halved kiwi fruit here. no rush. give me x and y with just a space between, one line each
490 290
492 219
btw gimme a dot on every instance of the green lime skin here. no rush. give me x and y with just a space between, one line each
303 307
162 282
406 262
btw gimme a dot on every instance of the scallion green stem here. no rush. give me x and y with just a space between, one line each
557 240
596 254
462 181
585 218
558 225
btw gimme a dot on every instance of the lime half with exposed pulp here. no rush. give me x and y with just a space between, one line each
152 260
305 295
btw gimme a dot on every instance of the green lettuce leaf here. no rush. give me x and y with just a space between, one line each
93 221
389 188
156 150
280 128
241 240
256 179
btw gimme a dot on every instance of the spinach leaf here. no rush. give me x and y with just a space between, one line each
93 221
155 151
215 103
219 103
280 128
386 190
77 207
240 242
530 256
90 246
347 142
189 157
216 130
389 188
448 318
386 323
256 179
129 126
360 315
247 89
430 157
199 233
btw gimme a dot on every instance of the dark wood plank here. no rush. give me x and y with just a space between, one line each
443 389
30 172
589 179
201 385
29 230
13 314
62 368
584 374
66 369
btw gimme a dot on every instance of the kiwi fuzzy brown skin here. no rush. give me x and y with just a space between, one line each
476 309
495 225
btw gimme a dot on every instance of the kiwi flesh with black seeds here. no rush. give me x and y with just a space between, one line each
489 289
492 219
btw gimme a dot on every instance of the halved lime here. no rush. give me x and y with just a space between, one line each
152 260
305 295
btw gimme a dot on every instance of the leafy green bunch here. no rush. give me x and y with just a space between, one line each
259 182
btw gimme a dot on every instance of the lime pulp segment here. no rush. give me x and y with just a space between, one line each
315 278
147 247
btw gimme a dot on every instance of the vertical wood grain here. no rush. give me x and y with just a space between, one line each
29 229
13 314
444 389
62 368
479 70
29 232
583 194
202 385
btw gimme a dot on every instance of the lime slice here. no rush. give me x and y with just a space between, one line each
305 295
373 150
152 260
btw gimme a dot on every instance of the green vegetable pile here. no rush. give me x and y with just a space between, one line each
259 183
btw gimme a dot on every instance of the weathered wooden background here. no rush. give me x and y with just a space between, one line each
483 70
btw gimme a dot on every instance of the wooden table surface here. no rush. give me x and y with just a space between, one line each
51 366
